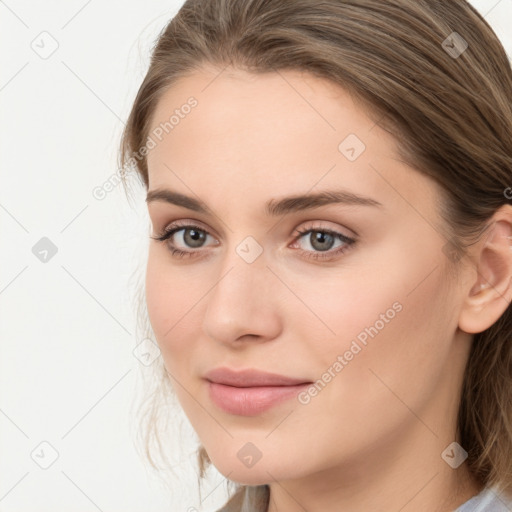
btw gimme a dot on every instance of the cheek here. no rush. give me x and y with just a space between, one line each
171 303
392 339
160 303
396 369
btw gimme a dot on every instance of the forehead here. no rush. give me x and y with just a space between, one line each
227 99
273 133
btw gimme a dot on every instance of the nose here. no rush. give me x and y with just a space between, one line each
244 303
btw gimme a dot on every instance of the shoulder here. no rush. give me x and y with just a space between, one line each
488 500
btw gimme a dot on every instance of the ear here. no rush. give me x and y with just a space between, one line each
490 292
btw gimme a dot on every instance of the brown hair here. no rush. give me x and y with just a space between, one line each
448 105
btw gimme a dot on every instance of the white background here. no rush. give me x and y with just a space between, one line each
68 375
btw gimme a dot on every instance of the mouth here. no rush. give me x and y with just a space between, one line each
251 392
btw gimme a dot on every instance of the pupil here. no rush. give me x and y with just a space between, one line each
193 236
322 238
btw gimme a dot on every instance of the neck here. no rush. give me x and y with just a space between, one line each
416 480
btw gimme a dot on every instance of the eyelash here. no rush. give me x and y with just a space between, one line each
168 232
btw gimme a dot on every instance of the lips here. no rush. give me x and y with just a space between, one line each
251 378
250 392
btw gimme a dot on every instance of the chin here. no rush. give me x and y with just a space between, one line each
260 473
249 478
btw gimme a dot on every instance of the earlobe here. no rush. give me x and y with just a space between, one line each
490 293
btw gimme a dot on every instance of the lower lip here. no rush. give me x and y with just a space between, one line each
251 401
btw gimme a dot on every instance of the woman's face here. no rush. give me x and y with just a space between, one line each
349 294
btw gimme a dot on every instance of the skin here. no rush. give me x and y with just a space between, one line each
372 438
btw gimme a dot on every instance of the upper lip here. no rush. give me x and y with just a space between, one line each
250 378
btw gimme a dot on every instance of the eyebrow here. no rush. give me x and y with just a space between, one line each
273 207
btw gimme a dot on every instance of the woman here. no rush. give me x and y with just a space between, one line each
329 270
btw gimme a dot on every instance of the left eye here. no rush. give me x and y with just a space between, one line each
322 240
